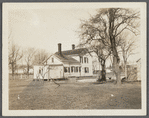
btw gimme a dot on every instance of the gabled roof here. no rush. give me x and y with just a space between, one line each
66 59
65 56
75 51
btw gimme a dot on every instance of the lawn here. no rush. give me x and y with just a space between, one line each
37 95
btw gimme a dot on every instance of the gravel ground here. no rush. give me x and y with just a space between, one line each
38 95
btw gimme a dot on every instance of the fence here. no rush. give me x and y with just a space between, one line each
20 76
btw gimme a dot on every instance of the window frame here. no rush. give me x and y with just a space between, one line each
76 69
80 69
68 69
72 69
81 59
65 70
84 59
86 69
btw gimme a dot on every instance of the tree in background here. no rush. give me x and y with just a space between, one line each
127 48
40 56
102 52
94 65
15 54
106 26
29 56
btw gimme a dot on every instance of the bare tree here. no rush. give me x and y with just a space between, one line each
102 53
106 26
15 55
40 56
29 55
94 65
127 47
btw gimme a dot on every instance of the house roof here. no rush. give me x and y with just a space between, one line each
75 51
66 59
65 56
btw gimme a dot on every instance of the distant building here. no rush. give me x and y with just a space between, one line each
63 64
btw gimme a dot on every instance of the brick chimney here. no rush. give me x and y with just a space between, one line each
59 48
73 46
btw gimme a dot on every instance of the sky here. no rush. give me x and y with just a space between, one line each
45 28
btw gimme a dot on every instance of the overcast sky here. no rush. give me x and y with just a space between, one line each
45 28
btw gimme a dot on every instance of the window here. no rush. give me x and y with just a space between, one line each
40 71
65 69
79 69
84 59
69 69
52 60
76 69
86 70
81 59
72 68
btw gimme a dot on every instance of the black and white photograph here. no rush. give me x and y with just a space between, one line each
64 59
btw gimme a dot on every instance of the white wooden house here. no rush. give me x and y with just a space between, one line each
64 64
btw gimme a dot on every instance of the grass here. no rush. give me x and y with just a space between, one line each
42 95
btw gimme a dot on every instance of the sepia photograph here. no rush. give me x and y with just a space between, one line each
64 59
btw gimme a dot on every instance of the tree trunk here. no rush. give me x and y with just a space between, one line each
125 62
116 59
12 69
103 72
28 72
116 71
98 74
126 70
